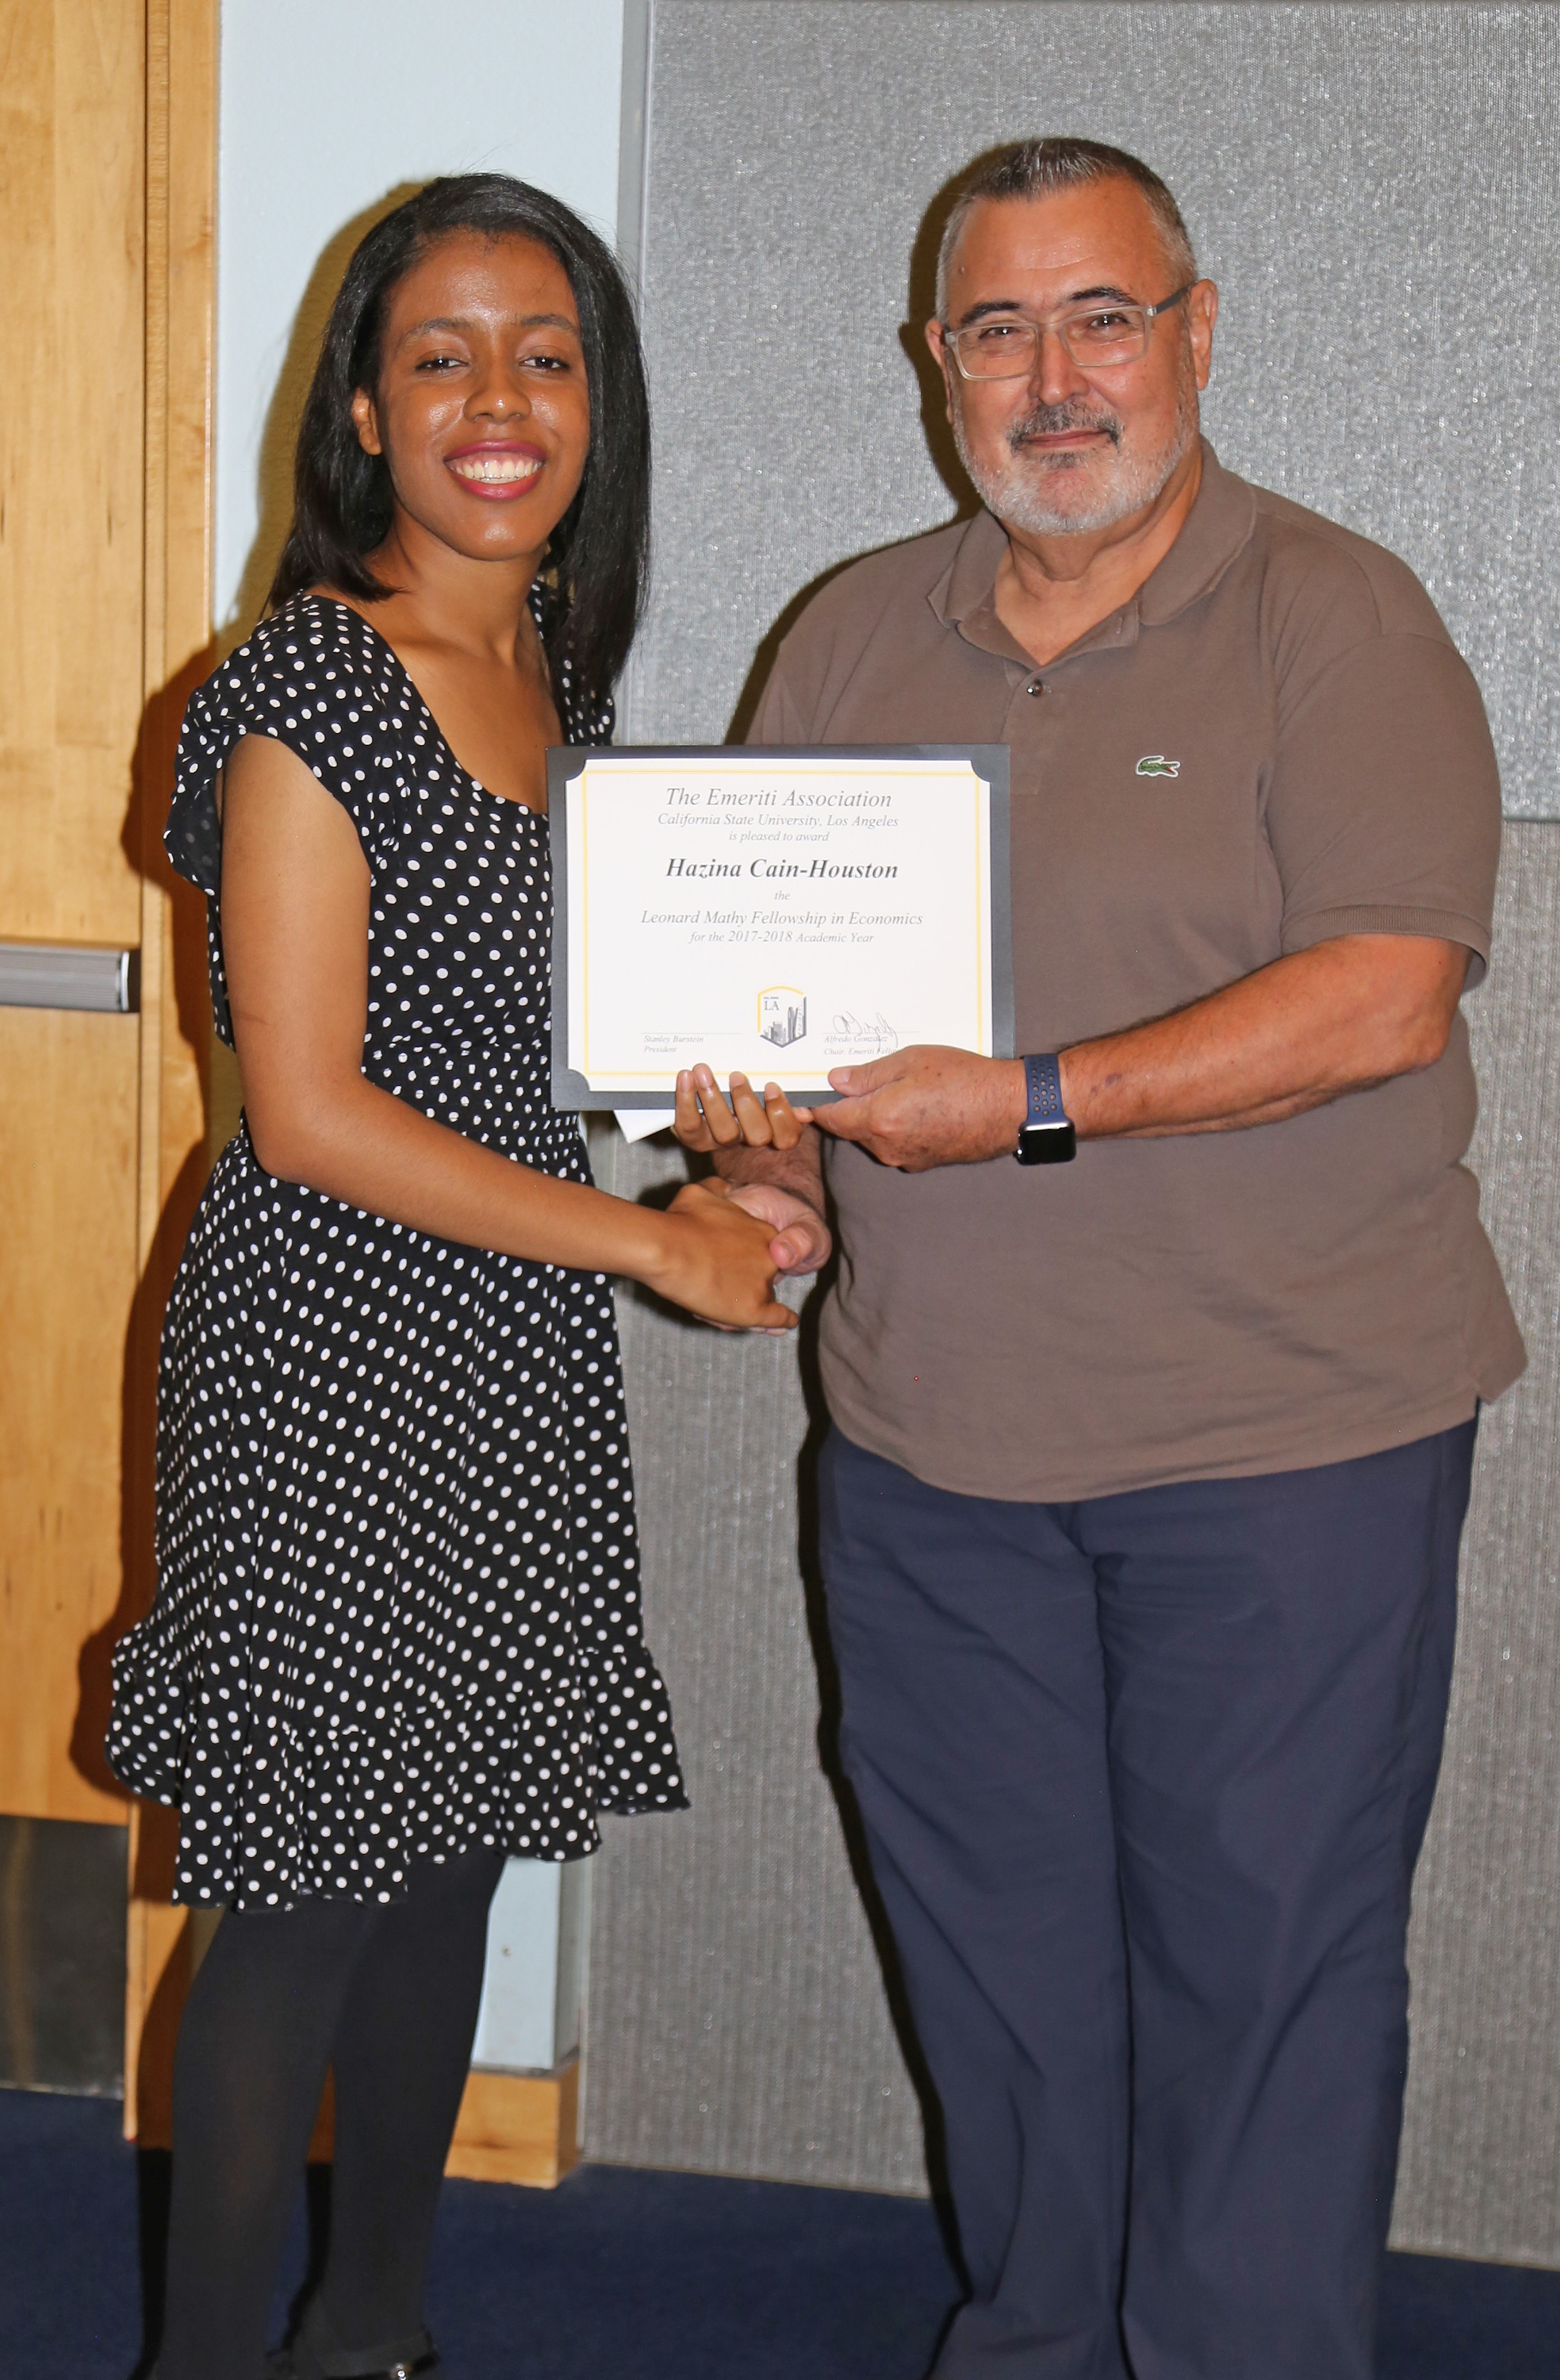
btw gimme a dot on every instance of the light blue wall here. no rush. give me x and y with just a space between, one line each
328 104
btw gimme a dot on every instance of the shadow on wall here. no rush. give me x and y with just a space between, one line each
851 1826
673 1320
921 302
141 840
274 479
279 438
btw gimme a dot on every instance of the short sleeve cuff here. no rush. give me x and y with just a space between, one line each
1303 933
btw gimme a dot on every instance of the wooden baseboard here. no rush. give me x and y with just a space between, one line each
521 2127
518 2127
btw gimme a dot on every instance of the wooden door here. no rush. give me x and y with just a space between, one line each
107 193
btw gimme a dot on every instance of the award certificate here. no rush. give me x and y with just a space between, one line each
773 912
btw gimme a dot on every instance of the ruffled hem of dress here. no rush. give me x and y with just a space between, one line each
452 1780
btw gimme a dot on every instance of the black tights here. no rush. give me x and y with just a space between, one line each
386 1995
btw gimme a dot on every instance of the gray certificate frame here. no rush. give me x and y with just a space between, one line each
566 762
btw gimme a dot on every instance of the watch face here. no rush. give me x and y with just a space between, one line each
1047 1144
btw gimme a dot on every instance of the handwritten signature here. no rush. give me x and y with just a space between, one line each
877 1038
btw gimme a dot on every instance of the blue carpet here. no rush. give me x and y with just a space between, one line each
637 2276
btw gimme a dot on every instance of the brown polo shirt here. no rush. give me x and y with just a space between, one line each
1274 742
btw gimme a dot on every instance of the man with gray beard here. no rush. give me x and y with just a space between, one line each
1151 1452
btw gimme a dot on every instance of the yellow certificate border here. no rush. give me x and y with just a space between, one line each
616 764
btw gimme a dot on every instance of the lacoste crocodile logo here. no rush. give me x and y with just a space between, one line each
1153 764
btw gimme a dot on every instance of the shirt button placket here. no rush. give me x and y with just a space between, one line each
1030 721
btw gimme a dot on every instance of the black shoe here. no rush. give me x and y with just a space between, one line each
412 2357
408 2359
425 2365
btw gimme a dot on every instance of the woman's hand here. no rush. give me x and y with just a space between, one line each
705 1123
715 1259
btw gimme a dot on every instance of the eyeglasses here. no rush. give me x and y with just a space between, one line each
1101 331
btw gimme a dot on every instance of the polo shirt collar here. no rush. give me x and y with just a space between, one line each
1217 527
1216 531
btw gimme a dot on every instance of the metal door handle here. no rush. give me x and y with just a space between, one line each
68 974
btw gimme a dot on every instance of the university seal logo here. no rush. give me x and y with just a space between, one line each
1153 764
782 1015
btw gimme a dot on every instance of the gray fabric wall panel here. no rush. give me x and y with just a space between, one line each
1481 2173
738 2021
1372 188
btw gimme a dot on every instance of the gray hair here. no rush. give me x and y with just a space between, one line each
1034 169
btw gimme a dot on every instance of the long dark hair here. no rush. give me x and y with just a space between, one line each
594 585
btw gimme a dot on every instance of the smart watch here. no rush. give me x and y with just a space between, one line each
1046 1136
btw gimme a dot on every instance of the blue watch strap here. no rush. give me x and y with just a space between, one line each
1043 1076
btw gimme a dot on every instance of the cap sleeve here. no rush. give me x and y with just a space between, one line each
318 679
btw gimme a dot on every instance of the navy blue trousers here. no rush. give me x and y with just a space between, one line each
1143 1779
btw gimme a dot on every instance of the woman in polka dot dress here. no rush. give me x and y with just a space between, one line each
397 1635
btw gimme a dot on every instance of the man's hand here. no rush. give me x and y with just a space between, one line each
802 1241
928 1106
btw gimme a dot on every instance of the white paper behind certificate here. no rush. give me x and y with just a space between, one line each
776 917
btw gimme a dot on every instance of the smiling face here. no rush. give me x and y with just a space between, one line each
481 410
1065 452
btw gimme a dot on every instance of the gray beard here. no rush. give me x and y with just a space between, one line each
1024 493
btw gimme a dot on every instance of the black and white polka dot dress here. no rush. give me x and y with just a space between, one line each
398 1611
